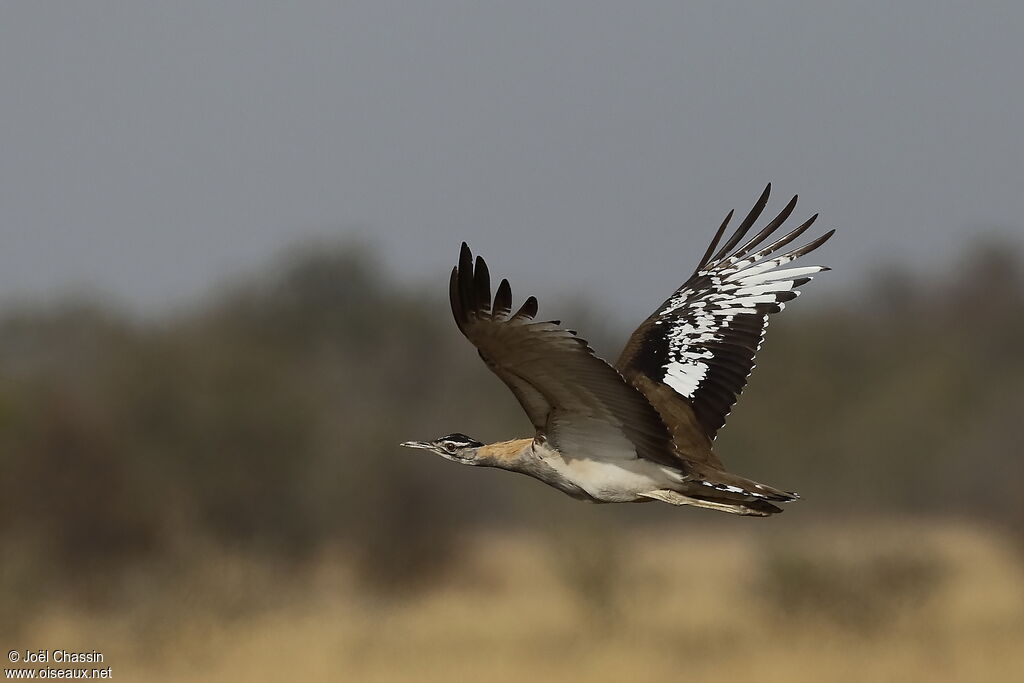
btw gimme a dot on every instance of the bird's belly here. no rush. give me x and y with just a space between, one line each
613 481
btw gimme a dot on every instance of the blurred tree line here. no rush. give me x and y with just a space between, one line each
266 420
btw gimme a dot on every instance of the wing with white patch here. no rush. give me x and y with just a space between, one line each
573 398
701 343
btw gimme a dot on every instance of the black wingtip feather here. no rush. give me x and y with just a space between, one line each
745 226
502 301
465 280
470 292
482 285
787 238
527 310
456 299
769 229
714 242
811 246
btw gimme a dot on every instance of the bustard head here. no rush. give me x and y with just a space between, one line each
455 447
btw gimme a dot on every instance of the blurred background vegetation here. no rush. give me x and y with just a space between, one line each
229 474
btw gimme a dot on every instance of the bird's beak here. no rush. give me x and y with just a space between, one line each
417 444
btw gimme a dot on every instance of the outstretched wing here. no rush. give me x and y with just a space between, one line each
693 356
572 397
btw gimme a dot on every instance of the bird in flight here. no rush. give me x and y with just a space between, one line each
643 429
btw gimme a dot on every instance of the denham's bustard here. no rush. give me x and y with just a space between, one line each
644 428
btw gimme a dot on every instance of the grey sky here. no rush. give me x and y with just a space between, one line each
154 149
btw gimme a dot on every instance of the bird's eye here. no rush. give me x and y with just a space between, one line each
450 447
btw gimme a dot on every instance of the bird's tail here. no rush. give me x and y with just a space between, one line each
725 492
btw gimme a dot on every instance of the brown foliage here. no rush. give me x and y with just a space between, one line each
266 422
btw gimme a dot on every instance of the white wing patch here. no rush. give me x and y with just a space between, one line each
702 342
737 287
686 366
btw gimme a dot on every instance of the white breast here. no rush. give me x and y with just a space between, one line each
612 481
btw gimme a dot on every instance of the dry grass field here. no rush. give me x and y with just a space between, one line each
868 602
